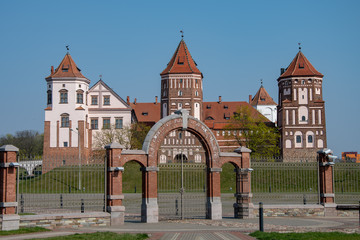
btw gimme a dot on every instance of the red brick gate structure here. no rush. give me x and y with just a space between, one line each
148 159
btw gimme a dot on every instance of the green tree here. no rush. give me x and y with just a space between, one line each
256 133
131 137
29 142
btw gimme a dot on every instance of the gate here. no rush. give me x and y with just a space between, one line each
182 189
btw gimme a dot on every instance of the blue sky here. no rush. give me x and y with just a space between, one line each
235 44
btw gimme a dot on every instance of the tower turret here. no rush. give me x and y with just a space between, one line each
181 84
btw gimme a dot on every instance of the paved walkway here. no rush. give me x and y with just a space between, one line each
227 229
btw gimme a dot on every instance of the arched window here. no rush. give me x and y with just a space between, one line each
80 96
180 105
303 118
49 97
197 158
65 120
180 93
63 96
162 158
196 93
310 139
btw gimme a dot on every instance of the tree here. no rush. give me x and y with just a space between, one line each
256 135
131 137
29 142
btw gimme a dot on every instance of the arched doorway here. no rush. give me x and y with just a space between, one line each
182 176
132 189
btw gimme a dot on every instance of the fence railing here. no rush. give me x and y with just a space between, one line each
61 184
279 182
347 183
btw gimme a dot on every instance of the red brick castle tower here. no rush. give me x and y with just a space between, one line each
181 84
301 110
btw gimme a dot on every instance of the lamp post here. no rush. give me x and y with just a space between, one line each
79 156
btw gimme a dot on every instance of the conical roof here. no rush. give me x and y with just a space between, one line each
181 61
262 97
67 68
300 66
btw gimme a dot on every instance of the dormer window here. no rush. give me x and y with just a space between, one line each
181 60
262 99
145 113
301 65
227 116
63 96
226 106
209 118
65 68
208 107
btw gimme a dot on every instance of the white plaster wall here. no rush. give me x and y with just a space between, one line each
54 115
269 111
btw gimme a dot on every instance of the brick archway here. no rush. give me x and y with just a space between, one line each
148 157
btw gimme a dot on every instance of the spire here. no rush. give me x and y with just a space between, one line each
300 66
181 61
67 68
262 97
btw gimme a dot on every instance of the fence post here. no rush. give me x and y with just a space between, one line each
8 203
327 195
261 217
114 184
243 208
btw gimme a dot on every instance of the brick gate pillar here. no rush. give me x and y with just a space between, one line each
327 194
149 205
114 184
214 206
243 207
8 203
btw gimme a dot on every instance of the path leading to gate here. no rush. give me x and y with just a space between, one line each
209 229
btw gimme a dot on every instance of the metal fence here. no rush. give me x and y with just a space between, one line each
279 182
347 183
58 184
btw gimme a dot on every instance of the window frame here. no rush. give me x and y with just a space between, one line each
107 101
64 96
121 121
106 125
92 100
65 120
94 125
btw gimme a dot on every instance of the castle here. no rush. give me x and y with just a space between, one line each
75 111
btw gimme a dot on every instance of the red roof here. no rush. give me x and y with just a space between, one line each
181 61
148 113
262 97
67 68
300 66
216 115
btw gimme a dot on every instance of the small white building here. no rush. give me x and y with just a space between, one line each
76 112
264 104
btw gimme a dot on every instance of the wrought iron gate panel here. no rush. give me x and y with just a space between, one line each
175 203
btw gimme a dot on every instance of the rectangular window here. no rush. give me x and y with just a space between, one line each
65 121
49 97
94 124
298 139
94 100
106 100
106 123
63 97
65 144
79 98
118 123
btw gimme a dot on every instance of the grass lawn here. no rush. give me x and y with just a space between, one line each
103 236
23 231
305 236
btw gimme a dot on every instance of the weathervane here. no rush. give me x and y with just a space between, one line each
261 80
100 76
67 47
299 46
182 33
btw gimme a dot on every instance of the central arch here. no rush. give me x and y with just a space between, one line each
153 141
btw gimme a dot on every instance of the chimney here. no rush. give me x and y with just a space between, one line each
156 99
128 100
250 98
134 100
52 69
282 70
219 99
